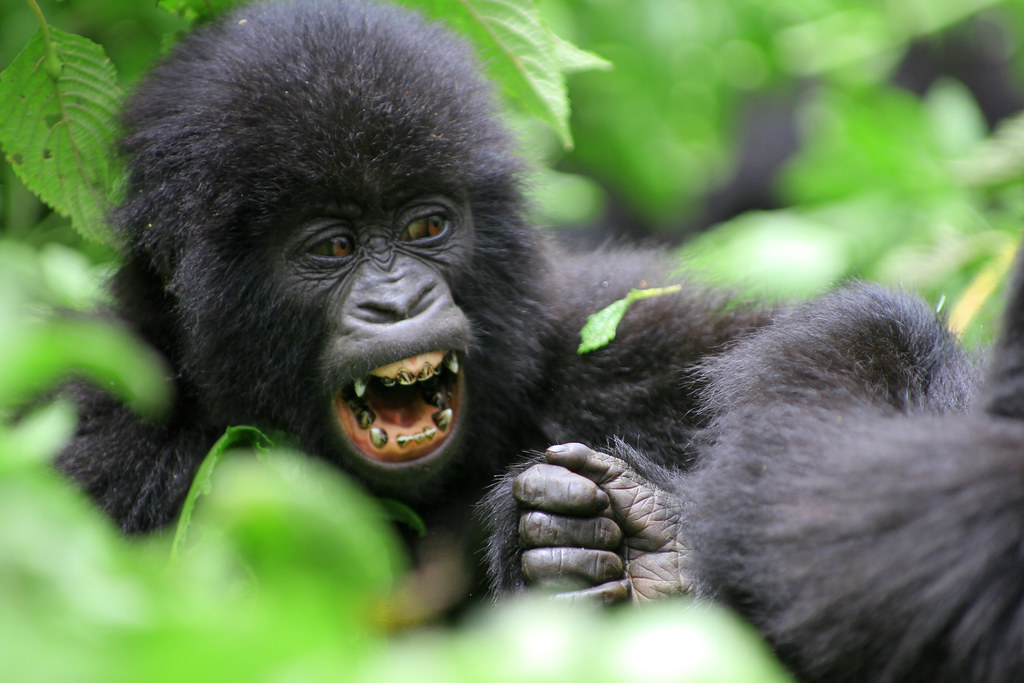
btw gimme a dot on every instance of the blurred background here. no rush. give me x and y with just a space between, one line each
781 146
785 146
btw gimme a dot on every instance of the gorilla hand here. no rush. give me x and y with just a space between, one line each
588 518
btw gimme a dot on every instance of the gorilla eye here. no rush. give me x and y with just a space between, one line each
424 228
335 247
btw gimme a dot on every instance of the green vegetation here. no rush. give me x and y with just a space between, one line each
283 570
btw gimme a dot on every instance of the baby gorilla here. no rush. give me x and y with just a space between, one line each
326 236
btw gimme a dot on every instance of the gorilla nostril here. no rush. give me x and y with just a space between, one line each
422 302
380 313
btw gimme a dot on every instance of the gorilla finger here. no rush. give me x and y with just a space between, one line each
556 489
580 567
537 529
610 593
596 466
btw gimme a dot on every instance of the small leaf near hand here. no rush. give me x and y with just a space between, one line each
601 327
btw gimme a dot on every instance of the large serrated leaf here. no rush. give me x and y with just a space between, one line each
57 124
521 53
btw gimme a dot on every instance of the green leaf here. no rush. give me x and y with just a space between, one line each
520 52
572 59
233 437
57 125
36 355
398 511
955 117
296 523
998 160
600 328
772 254
37 437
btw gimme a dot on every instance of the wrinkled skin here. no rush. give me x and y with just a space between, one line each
589 518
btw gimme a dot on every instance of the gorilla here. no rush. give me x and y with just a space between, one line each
325 235
858 496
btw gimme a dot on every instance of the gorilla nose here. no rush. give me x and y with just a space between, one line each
395 305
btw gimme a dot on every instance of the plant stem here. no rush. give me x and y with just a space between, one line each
53 64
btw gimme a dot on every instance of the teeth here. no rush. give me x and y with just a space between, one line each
435 399
413 365
411 370
443 418
404 440
366 418
378 437
360 386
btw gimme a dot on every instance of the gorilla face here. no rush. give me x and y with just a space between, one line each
396 342
328 199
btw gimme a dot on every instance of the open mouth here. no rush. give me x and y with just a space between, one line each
402 411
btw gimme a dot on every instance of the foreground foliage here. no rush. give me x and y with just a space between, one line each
285 571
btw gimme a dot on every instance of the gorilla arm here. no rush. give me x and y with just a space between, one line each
860 347
871 547
870 529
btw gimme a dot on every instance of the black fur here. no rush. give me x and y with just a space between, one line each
857 497
868 538
280 107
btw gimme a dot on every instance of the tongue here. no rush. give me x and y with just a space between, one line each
400 406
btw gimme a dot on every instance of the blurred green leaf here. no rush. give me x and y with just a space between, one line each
999 160
547 641
772 254
571 59
37 436
34 356
861 140
73 280
294 521
198 10
957 122
233 437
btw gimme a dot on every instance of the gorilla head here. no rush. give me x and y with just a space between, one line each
325 235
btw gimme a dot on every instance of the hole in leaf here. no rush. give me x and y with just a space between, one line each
51 120
17 159
47 153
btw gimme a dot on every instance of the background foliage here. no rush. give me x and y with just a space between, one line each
780 147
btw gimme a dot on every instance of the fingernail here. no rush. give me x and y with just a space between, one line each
557 449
